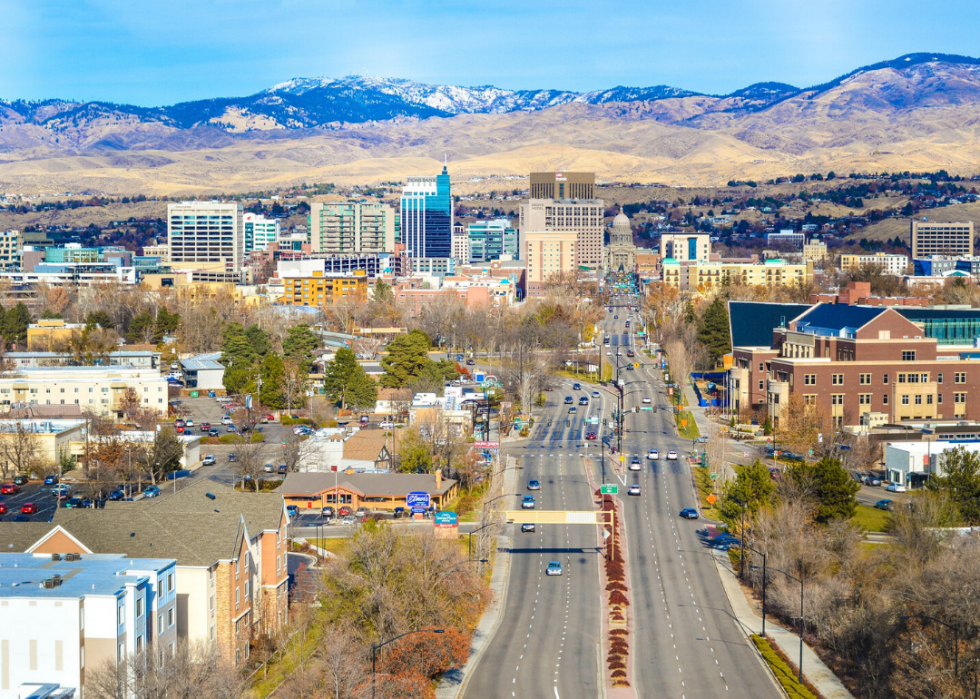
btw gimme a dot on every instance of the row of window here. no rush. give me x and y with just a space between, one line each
865 399
865 379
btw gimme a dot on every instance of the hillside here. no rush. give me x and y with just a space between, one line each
918 113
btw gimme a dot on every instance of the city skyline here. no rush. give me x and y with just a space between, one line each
109 51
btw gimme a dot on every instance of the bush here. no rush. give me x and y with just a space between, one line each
257 437
619 632
616 586
618 598
227 439
784 671
286 420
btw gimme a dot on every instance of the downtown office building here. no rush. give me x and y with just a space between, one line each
427 216
206 232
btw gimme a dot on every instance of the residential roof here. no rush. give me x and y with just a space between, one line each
387 484
752 322
203 362
187 525
837 319
17 537
365 445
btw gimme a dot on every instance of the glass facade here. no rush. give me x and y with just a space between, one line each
426 216
491 239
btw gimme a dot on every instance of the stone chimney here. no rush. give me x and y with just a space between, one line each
438 478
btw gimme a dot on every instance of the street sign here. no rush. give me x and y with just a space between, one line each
248 402
486 445
712 499
593 420
622 457
636 365
417 501
647 407
609 489
446 520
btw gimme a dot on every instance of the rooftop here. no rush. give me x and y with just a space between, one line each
837 319
21 574
389 484
752 322
201 362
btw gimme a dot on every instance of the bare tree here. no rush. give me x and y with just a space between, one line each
249 463
20 450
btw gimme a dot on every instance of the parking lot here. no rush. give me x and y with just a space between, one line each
35 492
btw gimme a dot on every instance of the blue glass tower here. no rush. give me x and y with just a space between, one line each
426 216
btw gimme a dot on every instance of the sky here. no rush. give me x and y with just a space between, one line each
156 52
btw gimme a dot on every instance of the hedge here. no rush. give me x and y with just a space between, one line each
785 674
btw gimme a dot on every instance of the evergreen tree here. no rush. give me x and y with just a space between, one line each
690 315
139 327
299 344
166 324
962 482
832 486
346 382
407 356
753 487
714 332
98 319
15 322
273 372
259 339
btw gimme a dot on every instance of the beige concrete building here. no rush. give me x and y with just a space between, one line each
896 265
935 238
161 251
95 388
815 251
206 232
582 217
547 253
11 249
685 247
702 277
51 440
351 227
562 185
52 334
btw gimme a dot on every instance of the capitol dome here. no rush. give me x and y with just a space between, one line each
621 220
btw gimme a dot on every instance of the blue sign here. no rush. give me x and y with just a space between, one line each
418 501
446 519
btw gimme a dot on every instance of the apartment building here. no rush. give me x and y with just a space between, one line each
856 364
562 185
206 232
698 276
815 251
584 217
230 551
94 388
260 232
461 245
324 289
685 247
62 619
936 238
346 228
11 250
546 254
144 359
896 265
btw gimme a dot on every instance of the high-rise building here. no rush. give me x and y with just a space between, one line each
490 240
426 216
547 253
582 217
562 185
352 228
260 231
10 251
934 238
206 232
684 247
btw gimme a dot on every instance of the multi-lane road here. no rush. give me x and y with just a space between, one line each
686 643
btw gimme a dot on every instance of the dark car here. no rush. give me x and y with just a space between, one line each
282 469
534 484
584 400
577 386
72 502
292 510
527 527
568 400
117 494
212 432
399 512
233 456
689 513
22 518
21 480
151 492
884 504
470 362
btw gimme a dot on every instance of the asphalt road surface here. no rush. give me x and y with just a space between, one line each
548 642
686 643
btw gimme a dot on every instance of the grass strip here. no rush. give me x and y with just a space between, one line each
784 671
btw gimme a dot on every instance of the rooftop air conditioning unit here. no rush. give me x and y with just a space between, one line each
55 556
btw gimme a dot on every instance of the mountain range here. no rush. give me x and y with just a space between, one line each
914 112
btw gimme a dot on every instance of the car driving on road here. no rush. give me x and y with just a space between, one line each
534 484
883 505
671 455
554 568
689 513
635 464
653 455
634 489
527 527
646 401
527 503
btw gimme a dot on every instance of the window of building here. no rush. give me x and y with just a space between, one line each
120 615
837 399
139 645
246 589
905 399
837 379
918 399
160 625
959 377
924 378
959 398
865 379
238 597
170 582
864 399
139 607
929 399
939 378
809 379
884 399
809 399
171 618
908 355
761 385
939 397
885 379
761 366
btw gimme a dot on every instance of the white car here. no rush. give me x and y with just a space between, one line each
634 489
653 455
635 464
188 423
209 460
227 420
672 455
895 488
387 425
646 401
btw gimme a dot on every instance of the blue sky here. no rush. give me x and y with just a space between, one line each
152 52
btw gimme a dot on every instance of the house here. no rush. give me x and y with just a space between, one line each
230 548
370 446
375 491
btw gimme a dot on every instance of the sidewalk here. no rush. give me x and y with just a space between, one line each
814 669
454 682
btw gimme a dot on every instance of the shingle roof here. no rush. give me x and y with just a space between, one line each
365 445
387 484
752 322
17 537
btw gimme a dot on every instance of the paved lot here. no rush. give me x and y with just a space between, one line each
37 493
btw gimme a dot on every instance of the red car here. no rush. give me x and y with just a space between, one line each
343 511
590 435
205 426
8 489
3 509
28 508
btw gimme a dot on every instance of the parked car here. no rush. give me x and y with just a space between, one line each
28 508
188 423
387 425
634 489
326 511
226 420
117 494
895 488
554 568
344 511
282 469
232 456
21 480
883 505
209 460
364 419
3 508
872 480
292 510
399 512
9 489
653 455
470 362
527 503
151 492
689 513
205 426
269 468
349 521
72 502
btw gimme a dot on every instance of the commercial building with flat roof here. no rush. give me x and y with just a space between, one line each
324 290
260 232
426 216
98 389
344 228
893 264
206 232
562 185
546 254
491 240
701 276
584 217
11 250
685 247
935 238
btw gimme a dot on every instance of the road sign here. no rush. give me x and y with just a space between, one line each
712 499
622 458
417 501
486 445
446 520
636 365
609 489
647 407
